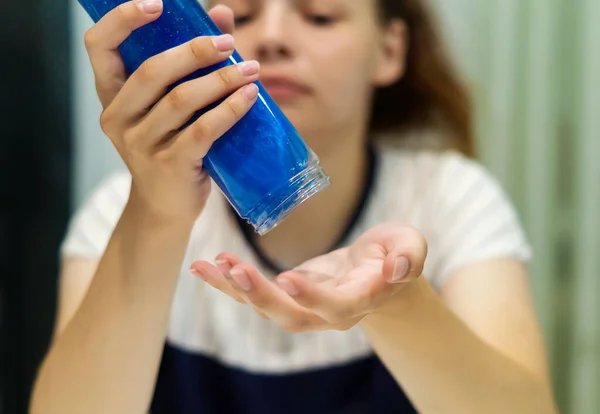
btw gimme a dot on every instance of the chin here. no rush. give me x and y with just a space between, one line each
318 132
297 115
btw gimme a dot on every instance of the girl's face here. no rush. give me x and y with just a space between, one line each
320 59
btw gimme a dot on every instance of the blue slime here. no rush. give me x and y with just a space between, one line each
262 165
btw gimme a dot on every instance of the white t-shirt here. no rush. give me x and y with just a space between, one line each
462 211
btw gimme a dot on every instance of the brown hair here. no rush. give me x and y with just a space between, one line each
430 94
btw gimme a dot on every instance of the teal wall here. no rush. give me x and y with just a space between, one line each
534 67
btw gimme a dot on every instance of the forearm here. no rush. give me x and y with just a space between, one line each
443 366
107 358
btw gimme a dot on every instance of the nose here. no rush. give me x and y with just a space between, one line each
273 41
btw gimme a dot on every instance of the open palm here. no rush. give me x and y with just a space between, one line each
332 291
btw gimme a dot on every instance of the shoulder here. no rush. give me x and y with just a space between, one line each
410 180
435 176
430 163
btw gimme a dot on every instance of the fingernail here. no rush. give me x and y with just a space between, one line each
223 43
195 272
250 92
249 68
150 6
401 269
288 286
224 267
241 278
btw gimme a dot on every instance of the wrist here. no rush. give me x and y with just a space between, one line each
141 212
404 306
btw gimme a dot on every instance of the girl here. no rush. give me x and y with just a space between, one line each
334 311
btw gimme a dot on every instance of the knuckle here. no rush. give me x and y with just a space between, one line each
121 12
414 233
234 108
130 142
164 157
418 240
107 120
198 48
413 240
90 38
177 98
147 70
261 302
201 130
225 76
405 229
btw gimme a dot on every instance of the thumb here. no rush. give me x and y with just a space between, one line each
406 251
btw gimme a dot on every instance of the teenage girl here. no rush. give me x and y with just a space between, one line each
170 303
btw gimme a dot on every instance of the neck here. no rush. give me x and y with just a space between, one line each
316 225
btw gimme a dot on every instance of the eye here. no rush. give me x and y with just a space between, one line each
242 19
320 19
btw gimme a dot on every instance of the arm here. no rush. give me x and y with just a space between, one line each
74 280
476 349
107 357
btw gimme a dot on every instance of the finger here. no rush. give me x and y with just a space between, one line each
272 301
395 244
223 287
149 83
407 251
195 141
179 105
103 39
214 277
225 262
223 18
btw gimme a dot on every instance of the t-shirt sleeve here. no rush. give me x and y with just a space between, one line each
473 219
92 224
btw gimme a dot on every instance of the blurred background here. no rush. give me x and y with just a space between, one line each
534 69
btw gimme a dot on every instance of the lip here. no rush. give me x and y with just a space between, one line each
282 87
